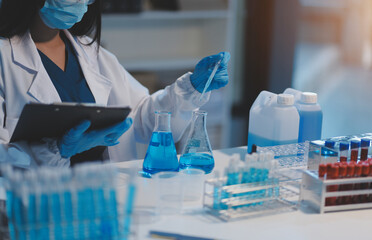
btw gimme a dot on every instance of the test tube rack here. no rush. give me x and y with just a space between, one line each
277 194
280 193
314 193
105 221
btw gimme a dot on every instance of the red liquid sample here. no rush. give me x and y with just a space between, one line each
365 173
357 186
350 174
322 170
341 174
333 174
363 154
354 155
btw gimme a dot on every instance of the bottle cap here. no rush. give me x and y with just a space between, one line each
322 169
365 142
329 166
334 171
355 144
309 97
342 170
351 169
329 143
358 169
344 146
285 99
365 169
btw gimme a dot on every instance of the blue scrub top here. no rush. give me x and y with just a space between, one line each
70 84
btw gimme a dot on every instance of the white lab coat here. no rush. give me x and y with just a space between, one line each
23 79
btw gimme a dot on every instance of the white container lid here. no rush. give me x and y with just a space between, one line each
285 99
309 97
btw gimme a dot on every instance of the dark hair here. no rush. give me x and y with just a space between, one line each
16 17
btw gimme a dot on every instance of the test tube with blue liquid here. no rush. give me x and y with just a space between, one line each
161 153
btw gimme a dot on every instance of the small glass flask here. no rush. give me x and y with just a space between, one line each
198 152
161 153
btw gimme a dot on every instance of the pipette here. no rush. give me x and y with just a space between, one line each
210 78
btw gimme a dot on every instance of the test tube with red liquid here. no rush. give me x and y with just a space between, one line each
365 143
355 145
357 186
350 173
322 170
342 173
344 151
370 175
333 174
365 173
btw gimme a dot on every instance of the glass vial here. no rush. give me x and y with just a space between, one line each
365 143
198 152
354 148
161 153
344 151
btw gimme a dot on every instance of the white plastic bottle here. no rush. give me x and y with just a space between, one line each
273 120
311 116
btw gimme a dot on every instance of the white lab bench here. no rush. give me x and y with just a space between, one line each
300 224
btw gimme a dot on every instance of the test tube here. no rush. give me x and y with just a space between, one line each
355 145
322 170
232 172
350 174
365 173
329 155
344 151
365 142
341 174
333 174
357 186
370 185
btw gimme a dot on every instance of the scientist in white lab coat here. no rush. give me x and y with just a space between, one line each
46 57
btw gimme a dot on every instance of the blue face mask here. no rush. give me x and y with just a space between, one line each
63 14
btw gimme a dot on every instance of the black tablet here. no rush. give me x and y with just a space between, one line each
54 120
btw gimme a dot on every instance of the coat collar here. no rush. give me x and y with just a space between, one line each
25 54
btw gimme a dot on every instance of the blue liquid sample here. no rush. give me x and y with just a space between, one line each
310 126
201 161
161 154
264 142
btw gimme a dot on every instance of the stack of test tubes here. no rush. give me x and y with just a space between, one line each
343 176
82 203
332 171
247 188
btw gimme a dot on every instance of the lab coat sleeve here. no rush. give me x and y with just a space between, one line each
24 154
179 98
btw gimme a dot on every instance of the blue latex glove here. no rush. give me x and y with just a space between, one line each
204 69
79 140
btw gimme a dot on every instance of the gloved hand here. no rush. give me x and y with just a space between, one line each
78 139
204 69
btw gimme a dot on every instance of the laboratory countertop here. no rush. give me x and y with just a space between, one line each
300 224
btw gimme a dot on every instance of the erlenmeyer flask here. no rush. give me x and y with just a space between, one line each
198 152
161 154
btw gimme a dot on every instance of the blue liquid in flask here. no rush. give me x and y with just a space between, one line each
161 154
201 161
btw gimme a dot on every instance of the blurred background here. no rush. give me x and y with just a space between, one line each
322 46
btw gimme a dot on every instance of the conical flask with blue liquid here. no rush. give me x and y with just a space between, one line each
198 152
161 153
